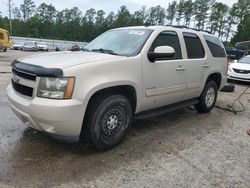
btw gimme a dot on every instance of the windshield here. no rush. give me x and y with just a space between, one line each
125 42
245 60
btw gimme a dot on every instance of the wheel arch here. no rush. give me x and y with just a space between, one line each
127 90
216 77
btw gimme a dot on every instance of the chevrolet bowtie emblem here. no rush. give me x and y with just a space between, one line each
16 79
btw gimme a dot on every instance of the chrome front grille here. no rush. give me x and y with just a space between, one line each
22 82
240 71
24 75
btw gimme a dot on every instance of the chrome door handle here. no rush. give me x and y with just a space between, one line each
180 68
205 66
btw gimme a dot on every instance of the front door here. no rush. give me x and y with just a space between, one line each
164 81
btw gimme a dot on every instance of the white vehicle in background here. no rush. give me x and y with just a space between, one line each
43 46
30 46
240 70
17 46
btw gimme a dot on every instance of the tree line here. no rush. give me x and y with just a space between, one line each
45 21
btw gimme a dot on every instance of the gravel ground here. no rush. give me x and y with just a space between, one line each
179 149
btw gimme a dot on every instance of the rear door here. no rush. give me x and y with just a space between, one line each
195 64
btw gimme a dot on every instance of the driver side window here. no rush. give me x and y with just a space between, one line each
168 38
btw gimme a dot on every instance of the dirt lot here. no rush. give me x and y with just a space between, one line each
180 149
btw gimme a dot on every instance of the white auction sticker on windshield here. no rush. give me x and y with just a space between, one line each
136 32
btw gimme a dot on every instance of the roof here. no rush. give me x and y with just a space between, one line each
3 30
156 27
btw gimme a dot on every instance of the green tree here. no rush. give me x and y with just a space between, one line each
242 9
201 8
109 21
123 17
33 26
171 12
139 17
188 12
231 21
156 15
27 9
88 24
218 18
17 13
100 22
180 11
47 13
243 30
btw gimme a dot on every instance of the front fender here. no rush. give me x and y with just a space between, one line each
104 85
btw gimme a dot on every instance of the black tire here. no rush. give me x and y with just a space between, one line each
107 121
206 104
5 49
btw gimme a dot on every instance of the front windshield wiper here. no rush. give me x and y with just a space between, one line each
104 51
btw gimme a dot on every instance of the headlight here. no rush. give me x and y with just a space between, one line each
56 88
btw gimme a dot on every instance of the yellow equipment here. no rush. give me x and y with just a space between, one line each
5 41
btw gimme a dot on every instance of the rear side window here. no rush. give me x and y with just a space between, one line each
168 38
194 46
215 45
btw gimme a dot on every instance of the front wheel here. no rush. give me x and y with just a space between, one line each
107 121
208 97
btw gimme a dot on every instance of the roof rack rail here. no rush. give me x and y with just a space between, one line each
185 27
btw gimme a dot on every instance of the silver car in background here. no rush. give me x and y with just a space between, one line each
30 46
17 46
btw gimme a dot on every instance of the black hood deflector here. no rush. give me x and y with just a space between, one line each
37 70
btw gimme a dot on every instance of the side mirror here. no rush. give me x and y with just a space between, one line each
161 52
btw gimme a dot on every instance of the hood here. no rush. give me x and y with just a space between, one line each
66 59
241 66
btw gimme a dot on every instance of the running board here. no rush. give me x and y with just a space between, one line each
165 109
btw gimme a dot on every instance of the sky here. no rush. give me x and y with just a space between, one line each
106 5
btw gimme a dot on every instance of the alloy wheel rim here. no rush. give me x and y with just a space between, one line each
210 96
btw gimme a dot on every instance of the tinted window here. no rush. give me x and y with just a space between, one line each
215 45
1 36
194 46
168 38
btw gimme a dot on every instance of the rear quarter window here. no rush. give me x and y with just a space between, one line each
194 46
216 47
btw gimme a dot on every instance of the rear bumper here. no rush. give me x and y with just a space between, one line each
59 117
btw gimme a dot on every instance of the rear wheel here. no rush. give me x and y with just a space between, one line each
107 121
208 97
5 49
